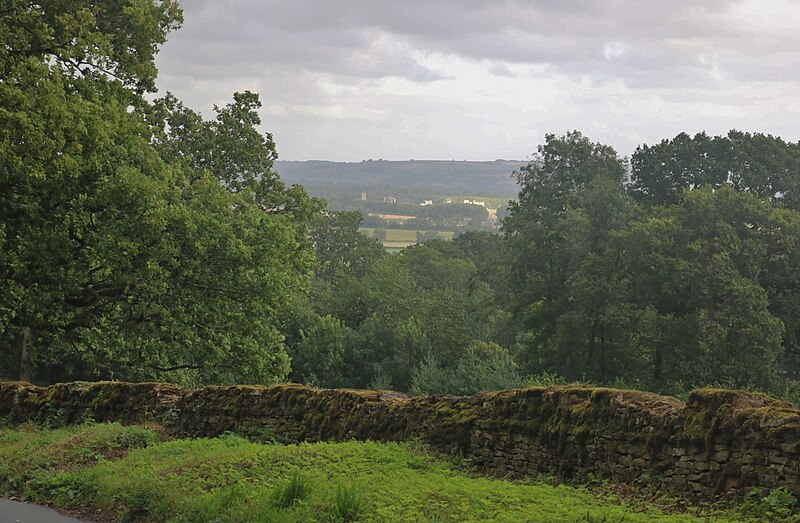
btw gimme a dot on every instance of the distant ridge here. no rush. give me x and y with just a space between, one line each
441 176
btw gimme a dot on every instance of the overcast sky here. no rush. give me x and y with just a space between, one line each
486 79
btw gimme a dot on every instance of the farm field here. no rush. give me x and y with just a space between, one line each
397 239
115 472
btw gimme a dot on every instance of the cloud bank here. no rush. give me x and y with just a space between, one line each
485 79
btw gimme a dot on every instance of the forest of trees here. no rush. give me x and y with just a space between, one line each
140 241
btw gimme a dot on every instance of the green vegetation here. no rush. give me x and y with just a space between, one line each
595 279
137 240
673 280
454 217
142 241
377 317
404 235
394 240
125 472
294 491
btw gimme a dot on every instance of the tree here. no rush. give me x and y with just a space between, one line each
123 258
571 200
379 234
427 235
316 344
695 305
231 148
434 267
669 298
561 167
92 40
340 247
756 163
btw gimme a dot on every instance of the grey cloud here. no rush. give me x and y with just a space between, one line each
501 70
314 61
348 37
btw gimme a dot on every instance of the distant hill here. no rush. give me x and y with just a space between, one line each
434 176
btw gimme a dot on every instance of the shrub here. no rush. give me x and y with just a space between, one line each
775 505
381 381
135 438
544 379
483 366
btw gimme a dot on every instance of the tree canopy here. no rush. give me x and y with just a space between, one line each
677 278
134 246
142 241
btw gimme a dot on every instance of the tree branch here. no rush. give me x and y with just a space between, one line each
176 367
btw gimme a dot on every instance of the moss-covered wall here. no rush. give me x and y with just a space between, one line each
717 442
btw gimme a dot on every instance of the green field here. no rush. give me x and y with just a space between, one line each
397 239
127 473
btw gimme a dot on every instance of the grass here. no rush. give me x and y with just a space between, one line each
294 491
27 452
127 473
348 505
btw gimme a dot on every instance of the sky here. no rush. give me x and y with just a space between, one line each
349 80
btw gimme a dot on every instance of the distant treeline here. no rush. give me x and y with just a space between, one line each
436 177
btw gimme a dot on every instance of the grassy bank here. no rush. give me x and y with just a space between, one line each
129 473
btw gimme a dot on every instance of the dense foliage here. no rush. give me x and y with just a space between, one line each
672 279
591 281
139 240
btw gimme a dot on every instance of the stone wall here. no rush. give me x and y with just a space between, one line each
717 442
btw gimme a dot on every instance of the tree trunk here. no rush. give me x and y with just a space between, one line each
602 358
658 364
25 355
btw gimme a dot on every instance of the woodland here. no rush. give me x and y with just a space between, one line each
140 241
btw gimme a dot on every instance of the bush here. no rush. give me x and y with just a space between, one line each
544 379
483 366
381 381
773 506
135 438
